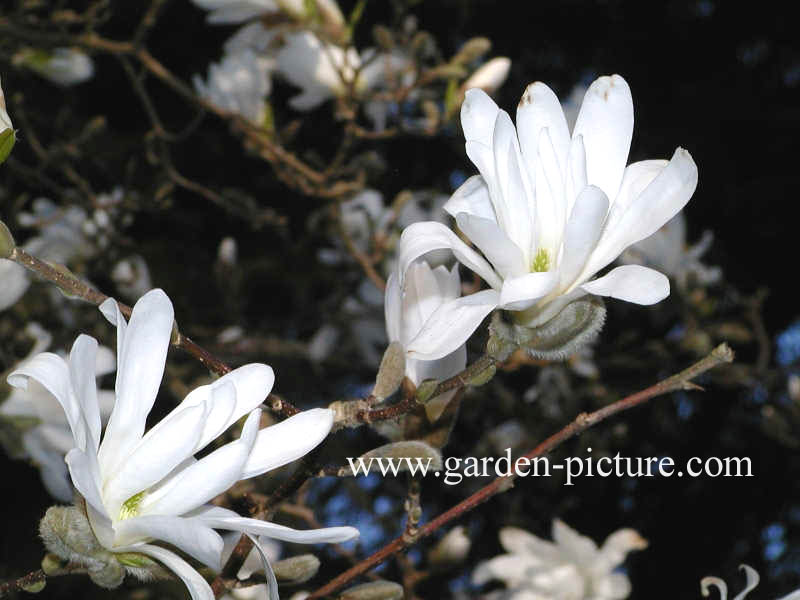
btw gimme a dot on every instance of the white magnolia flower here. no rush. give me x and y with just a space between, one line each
490 75
752 582
239 84
238 11
144 488
667 251
570 568
323 70
47 442
406 313
62 66
549 210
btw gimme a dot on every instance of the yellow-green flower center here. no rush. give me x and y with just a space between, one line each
130 508
541 262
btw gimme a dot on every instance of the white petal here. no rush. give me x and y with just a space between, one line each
393 307
229 398
519 541
471 197
207 478
86 478
550 206
579 548
52 372
221 518
288 440
505 256
421 298
752 581
666 195
272 583
513 212
197 540
82 367
198 587
139 371
582 232
451 325
15 283
513 569
632 283
420 238
522 292
614 586
635 180
575 178
606 124
157 454
478 114
540 109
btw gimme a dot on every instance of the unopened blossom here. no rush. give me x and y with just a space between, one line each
572 567
238 11
667 251
48 440
549 210
490 75
144 488
752 582
7 135
62 66
239 84
406 312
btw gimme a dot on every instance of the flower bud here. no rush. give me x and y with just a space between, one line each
490 75
472 50
66 532
375 590
296 569
560 337
451 549
402 454
391 372
7 243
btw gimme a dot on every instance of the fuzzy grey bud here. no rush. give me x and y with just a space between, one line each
560 337
391 372
375 590
296 569
415 452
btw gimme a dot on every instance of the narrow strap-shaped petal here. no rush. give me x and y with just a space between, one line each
82 367
580 548
197 586
661 200
229 398
631 283
575 178
288 440
606 123
540 109
207 478
421 298
197 540
582 233
393 307
522 292
156 455
221 518
478 114
52 372
269 574
451 325
519 541
752 581
512 569
506 257
471 197
707 582
85 475
139 371
420 238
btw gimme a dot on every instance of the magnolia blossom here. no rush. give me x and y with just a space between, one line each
752 582
550 209
570 568
238 84
667 251
490 75
406 313
49 439
144 488
62 66
238 11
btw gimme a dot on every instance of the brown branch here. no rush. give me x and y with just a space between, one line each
721 354
24 583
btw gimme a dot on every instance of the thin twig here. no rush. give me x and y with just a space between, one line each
721 354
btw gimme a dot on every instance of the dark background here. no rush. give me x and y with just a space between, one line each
718 78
